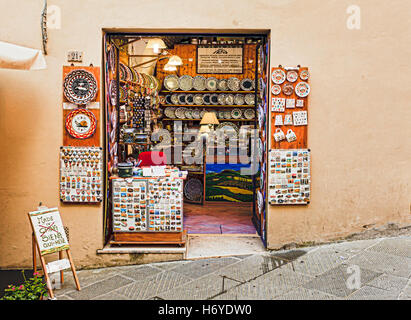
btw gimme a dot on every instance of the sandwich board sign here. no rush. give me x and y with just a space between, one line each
49 237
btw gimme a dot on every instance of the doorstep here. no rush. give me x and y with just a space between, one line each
108 249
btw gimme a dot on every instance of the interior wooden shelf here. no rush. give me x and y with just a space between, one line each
207 91
208 105
221 120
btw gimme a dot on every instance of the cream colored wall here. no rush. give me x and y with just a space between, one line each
358 120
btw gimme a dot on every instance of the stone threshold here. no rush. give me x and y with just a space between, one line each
148 249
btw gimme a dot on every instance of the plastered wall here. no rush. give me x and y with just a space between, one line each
359 117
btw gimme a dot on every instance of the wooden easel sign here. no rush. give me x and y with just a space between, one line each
49 237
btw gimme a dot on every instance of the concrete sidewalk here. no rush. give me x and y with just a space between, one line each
366 269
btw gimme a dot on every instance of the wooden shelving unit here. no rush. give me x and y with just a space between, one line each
207 105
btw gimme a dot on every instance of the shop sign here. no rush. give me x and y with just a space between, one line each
49 231
226 59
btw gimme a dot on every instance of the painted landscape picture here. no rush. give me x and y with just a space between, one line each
224 182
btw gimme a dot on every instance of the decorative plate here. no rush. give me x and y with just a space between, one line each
122 72
123 93
247 84
222 85
193 189
81 123
304 75
202 113
239 99
199 83
229 99
112 59
249 99
174 98
276 89
171 82
198 99
185 83
260 201
189 99
292 76
302 89
227 114
249 114
227 126
214 98
233 84
196 114
278 76
288 89
188 114
80 86
112 91
221 98
168 99
206 98
236 113
211 84
182 98
220 114
170 112
180 113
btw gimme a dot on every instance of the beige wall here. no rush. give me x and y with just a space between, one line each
359 118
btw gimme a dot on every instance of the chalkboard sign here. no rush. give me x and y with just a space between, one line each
49 231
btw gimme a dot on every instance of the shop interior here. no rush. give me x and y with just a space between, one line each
166 96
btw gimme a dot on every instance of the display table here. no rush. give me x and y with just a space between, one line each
147 210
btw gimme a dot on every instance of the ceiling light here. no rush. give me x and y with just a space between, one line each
169 67
156 44
175 61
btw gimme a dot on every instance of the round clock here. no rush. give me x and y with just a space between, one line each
81 123
80 86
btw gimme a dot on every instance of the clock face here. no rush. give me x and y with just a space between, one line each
80 86
81 123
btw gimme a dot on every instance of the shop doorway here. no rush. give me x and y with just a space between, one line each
167 92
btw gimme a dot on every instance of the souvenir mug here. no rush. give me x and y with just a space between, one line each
279 135
291 136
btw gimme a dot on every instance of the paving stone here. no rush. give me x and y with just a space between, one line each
111 296
289 255
398 247
266 287
353 247
63 297
384 263
200 289
153 286
252 267
319 261
334 281
99 288
372 293
390 283
199 268
169 265
306 294
140 272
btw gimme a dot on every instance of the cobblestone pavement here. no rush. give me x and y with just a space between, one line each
367 269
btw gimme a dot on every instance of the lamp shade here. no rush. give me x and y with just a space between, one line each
175 61
156 44
209 118
205 129
168 67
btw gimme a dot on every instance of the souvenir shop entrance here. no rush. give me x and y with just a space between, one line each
185 136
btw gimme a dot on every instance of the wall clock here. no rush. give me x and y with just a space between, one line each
80 86
81 123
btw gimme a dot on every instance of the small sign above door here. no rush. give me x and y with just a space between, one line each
214 59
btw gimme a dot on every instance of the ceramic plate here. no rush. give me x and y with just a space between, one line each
80 86
239 99
198 99
199 83
211 84
214 98
229 99
170 112
206 98
249 114
227 114
233 84
189 99
220 114
278 76
288 89
302 89
236 113
221 99
292 76
196 114
276 89
249 99
168 99
228 127
174 98
188 114
304 75
222 85
247 84
171 82
180 113
193 189
202 113
185 83
181 98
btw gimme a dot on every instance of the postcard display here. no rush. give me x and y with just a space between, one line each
289 159
81 156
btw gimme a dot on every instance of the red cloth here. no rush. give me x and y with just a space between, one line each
152 158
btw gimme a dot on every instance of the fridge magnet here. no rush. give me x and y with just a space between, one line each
300 118
288 120
278 120
290 104
299 103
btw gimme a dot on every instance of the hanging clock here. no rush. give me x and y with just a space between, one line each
81 123
80 86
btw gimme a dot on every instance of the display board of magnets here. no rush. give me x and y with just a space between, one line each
289 180
81 174
289 107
